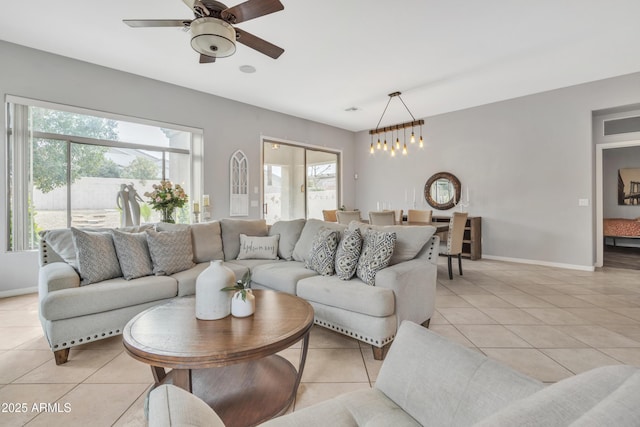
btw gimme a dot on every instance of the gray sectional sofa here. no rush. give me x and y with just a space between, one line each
73 313
427 380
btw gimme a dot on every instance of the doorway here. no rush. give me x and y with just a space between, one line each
619 252
298 181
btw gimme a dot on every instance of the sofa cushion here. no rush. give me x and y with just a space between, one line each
231 230
96 255
187 279
367 407
461 385
258 247
105 296
281 276
133 254
171 251
206 239
377 249
289 232
352 295
61 241
602 396
348 253
410 239
322 257
305 242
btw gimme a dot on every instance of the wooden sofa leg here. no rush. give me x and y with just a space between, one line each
379 353
61 356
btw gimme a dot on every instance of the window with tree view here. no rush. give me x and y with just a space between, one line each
67 167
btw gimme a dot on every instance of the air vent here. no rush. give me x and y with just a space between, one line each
618 126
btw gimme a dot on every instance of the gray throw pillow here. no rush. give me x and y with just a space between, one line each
96 255
348 254
323 252
133 253
289 232
231 230
171 251
377 250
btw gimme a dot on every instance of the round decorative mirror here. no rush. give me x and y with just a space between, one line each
442 191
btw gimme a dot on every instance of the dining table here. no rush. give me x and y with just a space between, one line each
440 226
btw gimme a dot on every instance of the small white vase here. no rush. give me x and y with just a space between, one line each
211 302
244 308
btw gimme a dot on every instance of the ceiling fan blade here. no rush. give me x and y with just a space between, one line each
251 9
205 59
258 44
145 23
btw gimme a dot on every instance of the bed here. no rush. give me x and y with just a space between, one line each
627 228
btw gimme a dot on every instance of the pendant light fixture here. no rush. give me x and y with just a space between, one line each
401 126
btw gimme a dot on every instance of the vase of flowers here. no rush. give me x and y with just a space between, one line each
243 302
166 198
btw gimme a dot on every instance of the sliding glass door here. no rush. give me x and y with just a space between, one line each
298 182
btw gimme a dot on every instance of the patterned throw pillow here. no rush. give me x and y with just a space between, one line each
96 255
171 251
323 252
348 254
377 249
257 247
133 253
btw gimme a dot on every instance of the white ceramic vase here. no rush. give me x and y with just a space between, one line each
211 302
244 308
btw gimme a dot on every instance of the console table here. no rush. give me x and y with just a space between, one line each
472 241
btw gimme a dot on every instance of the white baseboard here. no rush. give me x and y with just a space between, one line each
544 263
16 292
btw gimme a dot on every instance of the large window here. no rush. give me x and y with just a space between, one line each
66 167
298 182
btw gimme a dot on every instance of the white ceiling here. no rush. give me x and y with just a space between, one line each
443 55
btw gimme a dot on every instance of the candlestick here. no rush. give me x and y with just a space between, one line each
467 194
196 208
414 196
205 200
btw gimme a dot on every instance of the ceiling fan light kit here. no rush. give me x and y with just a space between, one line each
213 37
396 128
213 32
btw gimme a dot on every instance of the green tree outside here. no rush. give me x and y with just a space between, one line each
50 156
142 169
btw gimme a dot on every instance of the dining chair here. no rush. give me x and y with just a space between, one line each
382 218
415 215
453 245
345 217
330 215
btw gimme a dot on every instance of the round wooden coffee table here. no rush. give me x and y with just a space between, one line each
230 363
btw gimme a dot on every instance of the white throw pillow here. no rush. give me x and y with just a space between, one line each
258 247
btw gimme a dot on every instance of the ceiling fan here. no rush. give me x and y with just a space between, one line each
212 29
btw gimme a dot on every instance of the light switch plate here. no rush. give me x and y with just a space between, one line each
583 202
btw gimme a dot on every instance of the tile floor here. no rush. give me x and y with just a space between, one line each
546 322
